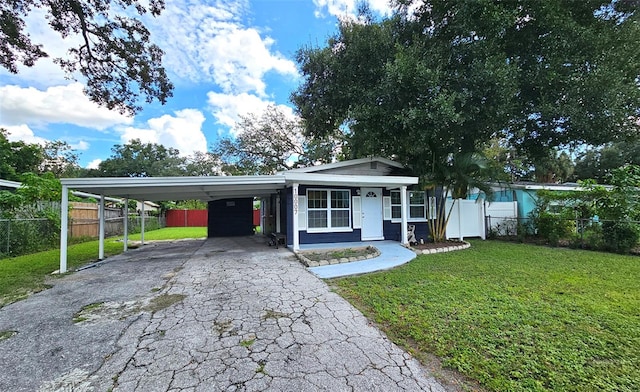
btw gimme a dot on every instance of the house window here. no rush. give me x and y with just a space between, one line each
417 206
328 209
396 205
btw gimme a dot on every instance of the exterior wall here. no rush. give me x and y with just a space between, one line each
315 238
391 230
230 217
526 202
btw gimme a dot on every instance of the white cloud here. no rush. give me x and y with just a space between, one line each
182 131
227 108
58 104
23 133
93 164
209 43
349 8
80 146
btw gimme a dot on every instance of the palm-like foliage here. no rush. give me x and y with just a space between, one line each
455 176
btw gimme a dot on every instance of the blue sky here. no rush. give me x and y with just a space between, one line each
226 58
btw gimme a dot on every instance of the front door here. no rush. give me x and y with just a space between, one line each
371 214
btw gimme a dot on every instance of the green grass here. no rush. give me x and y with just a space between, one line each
171 233
24 275
514 317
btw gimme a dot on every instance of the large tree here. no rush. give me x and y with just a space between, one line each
18 157
456 74
60 159
137 159
271 142
599 163
115 55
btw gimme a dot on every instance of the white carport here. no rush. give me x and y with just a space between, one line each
215 188
159 189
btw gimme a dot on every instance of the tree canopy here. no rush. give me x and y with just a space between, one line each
599 163
138 159
455 75
17 157
272 142
115 54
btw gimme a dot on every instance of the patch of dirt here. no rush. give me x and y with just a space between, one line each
329 254
120 310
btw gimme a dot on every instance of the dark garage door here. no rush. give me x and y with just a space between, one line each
231 217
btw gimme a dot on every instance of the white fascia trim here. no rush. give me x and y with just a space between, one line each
142 182
349 180
352 162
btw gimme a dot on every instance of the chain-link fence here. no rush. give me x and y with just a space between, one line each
23 236
621 236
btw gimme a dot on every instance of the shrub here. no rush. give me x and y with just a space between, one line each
552 227
620 236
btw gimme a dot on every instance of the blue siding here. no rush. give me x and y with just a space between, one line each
392 230
318 238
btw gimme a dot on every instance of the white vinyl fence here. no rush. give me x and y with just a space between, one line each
501 217
469 218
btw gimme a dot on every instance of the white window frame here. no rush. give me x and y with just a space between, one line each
328 209
426 207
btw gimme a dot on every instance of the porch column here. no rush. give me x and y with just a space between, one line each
296 208
126 225
101 223
64 228
403 215
142 224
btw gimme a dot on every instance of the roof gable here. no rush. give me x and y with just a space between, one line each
374 166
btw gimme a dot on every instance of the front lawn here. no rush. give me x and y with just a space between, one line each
514 317
23 275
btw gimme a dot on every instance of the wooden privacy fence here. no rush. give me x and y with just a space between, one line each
84 220
187 218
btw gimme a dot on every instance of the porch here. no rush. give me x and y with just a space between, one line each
392 254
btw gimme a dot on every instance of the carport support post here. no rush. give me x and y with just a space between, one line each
101 220
296 208
64 227
142 224
403 215
126 225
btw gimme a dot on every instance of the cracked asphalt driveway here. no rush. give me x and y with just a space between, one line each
225 314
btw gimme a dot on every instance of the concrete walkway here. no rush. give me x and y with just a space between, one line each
215 315
392 254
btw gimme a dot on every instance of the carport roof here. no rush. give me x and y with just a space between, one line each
220 187
178 188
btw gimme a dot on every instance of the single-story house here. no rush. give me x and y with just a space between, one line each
356 200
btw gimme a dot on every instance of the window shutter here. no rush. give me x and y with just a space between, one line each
302 212
431 211
386 207
357 212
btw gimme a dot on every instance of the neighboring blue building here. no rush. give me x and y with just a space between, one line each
526 194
